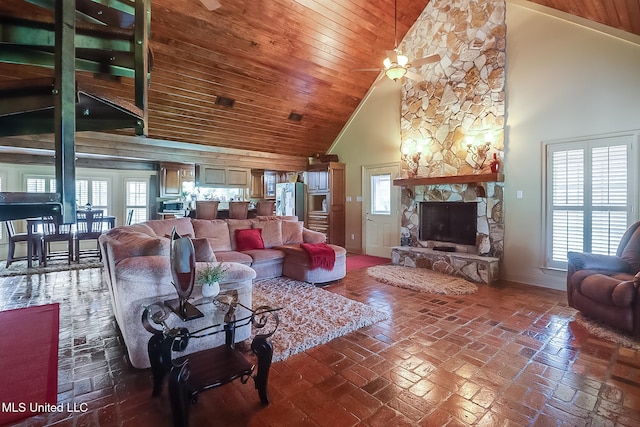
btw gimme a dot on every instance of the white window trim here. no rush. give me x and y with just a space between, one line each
633 196
109 181
126 207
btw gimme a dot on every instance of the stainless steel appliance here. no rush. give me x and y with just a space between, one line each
290 199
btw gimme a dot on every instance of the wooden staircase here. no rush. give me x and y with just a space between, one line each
88 52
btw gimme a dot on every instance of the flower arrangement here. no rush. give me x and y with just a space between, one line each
211 273
210 276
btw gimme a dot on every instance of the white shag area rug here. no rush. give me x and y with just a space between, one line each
310 316
606 332
421 280
19 268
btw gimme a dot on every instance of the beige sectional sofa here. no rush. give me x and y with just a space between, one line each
137 270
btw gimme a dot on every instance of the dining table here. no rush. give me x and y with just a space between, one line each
109 221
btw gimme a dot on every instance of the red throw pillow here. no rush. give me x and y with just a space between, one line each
249 238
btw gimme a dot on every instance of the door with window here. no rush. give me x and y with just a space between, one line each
380 206
591 187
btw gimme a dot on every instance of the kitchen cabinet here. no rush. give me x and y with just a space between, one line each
172 175
219 176
270 180
318 181
326 193
256 190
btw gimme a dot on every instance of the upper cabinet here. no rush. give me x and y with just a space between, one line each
270 179
219 176
318 180
256 190
172 175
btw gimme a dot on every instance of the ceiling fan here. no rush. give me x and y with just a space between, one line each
396 65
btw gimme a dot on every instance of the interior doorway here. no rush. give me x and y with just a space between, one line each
380 209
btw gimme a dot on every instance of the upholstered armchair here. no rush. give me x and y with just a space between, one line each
605 287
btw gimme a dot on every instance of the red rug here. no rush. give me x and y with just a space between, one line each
28 361
357 262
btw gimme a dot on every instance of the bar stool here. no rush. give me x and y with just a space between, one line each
207 209
22 237
265 207
238 210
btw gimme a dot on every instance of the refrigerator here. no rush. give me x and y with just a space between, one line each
290 199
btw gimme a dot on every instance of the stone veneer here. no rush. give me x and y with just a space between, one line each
479 269
463 94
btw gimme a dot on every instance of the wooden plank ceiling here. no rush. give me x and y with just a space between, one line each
273 58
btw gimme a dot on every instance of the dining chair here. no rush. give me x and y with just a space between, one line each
14 238
54 232
238 210
89 226
265 207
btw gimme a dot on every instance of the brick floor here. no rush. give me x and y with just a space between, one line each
509 355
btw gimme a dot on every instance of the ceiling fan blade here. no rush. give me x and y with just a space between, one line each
426 60
392 55
211 4
414 76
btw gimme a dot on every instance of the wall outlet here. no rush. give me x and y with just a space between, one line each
353 236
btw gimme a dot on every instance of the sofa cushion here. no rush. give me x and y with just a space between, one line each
260 256
236 224
234 256
140 227
271 232
250 238
164 227
216 231
134 244
203 250
291 232
276 217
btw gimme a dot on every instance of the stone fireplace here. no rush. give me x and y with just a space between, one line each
462 95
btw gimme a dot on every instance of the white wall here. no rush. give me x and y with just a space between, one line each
563 81
371 137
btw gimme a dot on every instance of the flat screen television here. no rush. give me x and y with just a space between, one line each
451 222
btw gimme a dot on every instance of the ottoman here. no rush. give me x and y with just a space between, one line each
297 265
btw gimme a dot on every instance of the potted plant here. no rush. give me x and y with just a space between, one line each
210 277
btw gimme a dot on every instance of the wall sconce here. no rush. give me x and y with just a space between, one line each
477 150
412 159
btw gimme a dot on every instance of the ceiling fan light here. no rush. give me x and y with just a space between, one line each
395 72
387 63
402 60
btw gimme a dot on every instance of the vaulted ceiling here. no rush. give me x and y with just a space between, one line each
273 58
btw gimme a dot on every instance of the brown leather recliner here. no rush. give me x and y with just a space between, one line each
605 287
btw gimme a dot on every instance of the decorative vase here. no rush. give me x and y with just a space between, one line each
210 290
495 164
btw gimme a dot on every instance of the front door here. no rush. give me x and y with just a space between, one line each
380 209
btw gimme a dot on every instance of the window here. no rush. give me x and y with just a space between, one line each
40 184
94 191
136 200
381 194
590 202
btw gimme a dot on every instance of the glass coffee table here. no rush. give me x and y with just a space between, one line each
197 372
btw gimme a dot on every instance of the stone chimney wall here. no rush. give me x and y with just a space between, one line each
464 94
